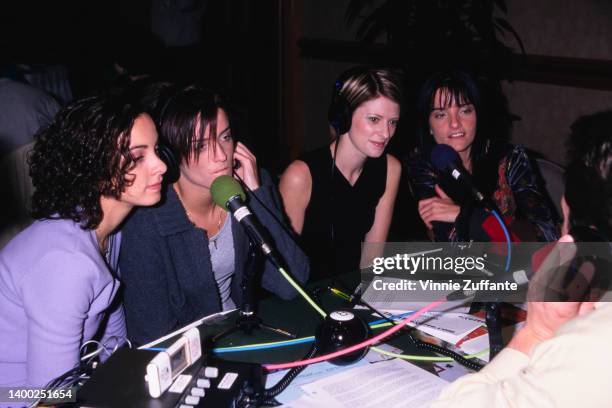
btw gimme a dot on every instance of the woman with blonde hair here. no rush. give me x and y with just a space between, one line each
343 194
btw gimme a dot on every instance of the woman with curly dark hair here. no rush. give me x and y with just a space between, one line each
90 167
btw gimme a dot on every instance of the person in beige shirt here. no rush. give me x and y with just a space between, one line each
562 356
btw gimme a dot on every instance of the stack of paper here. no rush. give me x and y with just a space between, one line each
392 383
449 327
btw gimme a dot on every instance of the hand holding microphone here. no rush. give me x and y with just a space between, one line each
446 160
438 208
441 207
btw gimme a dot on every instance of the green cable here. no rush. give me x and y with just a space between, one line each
378 350
425 358
376 326
301 292
379 325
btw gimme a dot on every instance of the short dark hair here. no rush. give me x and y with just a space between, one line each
588 182
81 155
179 120
151 93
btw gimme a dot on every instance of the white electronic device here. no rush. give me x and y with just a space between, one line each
169 364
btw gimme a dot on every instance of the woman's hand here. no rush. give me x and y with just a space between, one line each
440 208
248 166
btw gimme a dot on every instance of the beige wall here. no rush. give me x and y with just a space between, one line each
579 29
322 19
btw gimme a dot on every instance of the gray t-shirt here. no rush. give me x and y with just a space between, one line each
221 248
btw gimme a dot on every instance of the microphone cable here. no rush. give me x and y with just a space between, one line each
359 346
283 383
420 343
502 224
280 268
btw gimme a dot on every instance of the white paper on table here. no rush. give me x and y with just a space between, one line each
305 401
450 370
397 299
294 394
312 373
450 327
391 383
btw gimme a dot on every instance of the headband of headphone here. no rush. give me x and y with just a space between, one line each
339 114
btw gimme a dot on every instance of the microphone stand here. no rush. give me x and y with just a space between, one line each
492 310
248 320
494 328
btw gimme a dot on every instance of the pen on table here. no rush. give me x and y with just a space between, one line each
341 294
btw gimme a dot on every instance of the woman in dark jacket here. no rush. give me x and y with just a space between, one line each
185 258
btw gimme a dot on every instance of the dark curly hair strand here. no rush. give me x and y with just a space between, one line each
82 155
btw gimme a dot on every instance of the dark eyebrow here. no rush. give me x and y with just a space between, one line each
205 140
139 147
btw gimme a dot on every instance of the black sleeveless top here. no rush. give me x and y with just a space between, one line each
339 215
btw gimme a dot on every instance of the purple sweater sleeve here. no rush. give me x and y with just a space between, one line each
64 298
115 332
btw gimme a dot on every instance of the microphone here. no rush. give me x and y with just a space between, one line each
228 194
446 160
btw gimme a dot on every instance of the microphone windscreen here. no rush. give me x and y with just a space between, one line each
225 187
442 156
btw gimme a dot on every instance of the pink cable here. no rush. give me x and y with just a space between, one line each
366 343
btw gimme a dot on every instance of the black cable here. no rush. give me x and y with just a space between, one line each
72 375
290 376
423 344
332 197
252 396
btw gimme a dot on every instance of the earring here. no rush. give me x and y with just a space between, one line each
431 132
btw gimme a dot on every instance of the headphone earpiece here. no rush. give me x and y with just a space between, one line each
170 158
339 114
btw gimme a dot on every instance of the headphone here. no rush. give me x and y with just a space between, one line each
339 113
170 158
168 154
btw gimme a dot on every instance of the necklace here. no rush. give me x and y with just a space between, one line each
213 234
103 245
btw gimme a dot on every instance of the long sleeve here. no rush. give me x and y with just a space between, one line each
58 294
297 262
530 201
423 179
114 332
518 195
146 273
496 385
569 370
